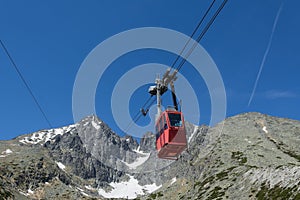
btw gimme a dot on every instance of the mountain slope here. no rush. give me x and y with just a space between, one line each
255 157
248 156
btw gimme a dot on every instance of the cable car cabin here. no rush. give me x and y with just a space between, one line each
170 135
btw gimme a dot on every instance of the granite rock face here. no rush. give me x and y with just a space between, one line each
248 156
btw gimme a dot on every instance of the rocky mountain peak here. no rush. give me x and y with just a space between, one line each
250 155
147 143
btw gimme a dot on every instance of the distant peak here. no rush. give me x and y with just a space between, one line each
91 118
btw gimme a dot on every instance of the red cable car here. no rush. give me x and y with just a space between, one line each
170 134
169 127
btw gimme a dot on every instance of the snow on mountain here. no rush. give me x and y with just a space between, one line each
95 125
173 181
30 191
44 136
265 129
139 151
60 165
255 156
5 153
139 160
193 134
128 189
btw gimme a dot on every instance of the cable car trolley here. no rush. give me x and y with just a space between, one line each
169 126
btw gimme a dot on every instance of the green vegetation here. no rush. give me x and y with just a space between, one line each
216 192
155 195
222 175
239 156
252 166
236 155
277 192
202 183
5 194
282 148
293 154
243 160
279 166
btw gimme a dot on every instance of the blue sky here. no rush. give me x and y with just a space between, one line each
50 39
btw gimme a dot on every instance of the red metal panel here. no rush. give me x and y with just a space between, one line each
172 142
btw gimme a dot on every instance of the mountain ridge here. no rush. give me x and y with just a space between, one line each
238 158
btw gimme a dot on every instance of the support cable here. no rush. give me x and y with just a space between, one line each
26 84
211 21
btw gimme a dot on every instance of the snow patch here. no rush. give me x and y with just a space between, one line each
194 132
173 181
95 125
60 165
59 131
86 123
23 193
139 151
89 187
5 153
46 135
78 188
129 189
265 129
248 141
30 191
139 161
85 194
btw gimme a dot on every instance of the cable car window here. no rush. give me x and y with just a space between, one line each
165 123
175 119
161 127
